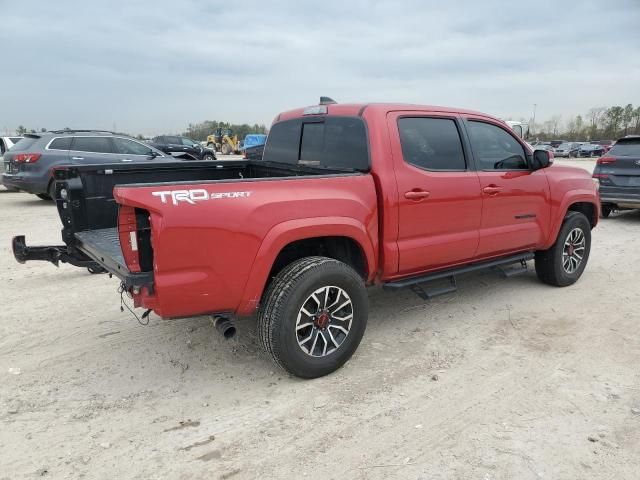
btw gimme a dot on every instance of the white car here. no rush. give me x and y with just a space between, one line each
5 144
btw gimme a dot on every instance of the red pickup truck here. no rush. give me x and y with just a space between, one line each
346 196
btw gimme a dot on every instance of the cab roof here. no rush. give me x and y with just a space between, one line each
358 109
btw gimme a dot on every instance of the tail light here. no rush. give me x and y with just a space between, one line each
26 157
128 233
606 160
600 175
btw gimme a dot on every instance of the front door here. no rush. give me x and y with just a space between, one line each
516 207
439 201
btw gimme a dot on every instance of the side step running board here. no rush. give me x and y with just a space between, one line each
414 283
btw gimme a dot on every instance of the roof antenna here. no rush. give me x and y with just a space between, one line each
327 101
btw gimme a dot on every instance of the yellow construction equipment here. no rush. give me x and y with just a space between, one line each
223 140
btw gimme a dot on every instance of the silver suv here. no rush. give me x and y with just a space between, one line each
29 163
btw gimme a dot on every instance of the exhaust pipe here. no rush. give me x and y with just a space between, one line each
226 328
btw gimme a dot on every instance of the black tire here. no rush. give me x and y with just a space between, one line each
208 156
549 263
43 196
605 211
283 301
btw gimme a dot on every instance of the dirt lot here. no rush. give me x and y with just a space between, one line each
506 379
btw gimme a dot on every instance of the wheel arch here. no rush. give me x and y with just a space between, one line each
341 238
583 202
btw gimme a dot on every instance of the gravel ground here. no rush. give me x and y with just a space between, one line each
506 379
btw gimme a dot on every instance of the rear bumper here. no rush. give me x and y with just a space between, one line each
23 182
621 198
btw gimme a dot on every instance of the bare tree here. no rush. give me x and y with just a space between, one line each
627 117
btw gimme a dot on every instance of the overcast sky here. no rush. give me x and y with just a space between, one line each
153 67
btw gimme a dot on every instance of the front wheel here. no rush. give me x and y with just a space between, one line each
564 262
313 316
208 156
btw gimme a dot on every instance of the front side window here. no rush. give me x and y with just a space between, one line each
173 140
188 142
92 144
431 143
495 149
125 146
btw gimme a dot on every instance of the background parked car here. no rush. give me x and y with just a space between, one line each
591 150
28 164
5 144
607 144
557 143
253 146
569 149
543 146
619 175
179 146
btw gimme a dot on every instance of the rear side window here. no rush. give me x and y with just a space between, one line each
63 143
626 149
431 143
335 142
125 146
495 149
92 144
24 144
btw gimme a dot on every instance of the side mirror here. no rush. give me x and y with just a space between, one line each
541 159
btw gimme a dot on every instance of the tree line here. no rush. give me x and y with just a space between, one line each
195 131
600 123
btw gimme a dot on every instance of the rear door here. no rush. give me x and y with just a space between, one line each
439 201
516 206
91 149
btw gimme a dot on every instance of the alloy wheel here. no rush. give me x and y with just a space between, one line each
324 321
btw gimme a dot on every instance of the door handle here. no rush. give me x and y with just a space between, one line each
492 190
416 194
127 160
77 158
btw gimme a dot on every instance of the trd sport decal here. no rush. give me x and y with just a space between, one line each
197 195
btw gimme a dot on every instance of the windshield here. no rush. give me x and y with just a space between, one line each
626 149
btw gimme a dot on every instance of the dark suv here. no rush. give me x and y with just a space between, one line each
174 145
619 175
29 163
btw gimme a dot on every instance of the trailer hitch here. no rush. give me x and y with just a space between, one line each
50 253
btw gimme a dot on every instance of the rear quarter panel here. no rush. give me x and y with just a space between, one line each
214 255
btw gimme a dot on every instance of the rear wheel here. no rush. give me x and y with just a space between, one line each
313 316
564 262
208 156
605 211
226 149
